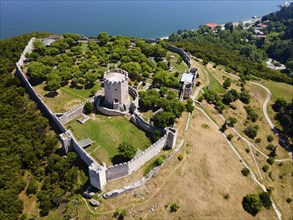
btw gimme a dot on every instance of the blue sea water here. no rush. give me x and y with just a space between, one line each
137 18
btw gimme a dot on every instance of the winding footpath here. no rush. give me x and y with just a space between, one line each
264 110
250 145
278 213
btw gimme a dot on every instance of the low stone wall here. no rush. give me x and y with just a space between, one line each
108 111
134 103
141 123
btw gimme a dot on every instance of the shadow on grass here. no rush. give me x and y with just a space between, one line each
51 94
89 85
118 159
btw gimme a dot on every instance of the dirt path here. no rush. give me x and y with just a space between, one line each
278 213
264 109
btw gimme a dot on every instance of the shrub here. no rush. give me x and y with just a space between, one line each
289 200
227 83
270 160
257 140
180 157
245 171
231 121
32 187
120 215
127 150
247 150
251 203
251 131
233 106
270 147
251 114
230 136
155 136
270 138
226 196
159 161
189 106
265 199
265 168
88 108
174 207
200 98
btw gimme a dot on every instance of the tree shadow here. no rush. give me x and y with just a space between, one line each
51 94
35 82
89 85
64 83
118 159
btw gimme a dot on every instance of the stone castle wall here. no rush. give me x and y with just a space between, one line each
75 111
147 154
141 123
97 174
127 168
185 57
107 111
38 99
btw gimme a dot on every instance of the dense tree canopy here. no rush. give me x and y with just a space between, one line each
27 143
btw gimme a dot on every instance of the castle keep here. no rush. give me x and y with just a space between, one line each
116 89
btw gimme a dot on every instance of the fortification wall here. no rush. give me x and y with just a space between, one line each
38 99
185 57
125 169
108 111
134 103
146 155
97 175
141 123
75 111
117 171
181 52
81 152
28 48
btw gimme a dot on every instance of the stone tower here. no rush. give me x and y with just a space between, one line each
116 88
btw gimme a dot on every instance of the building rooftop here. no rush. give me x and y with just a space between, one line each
85 142
115 76
187 77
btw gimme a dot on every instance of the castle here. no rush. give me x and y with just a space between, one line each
113 100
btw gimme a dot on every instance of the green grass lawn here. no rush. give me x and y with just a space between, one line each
181 68
107 133
215 85
279 89
66 98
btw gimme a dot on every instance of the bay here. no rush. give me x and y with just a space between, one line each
147 19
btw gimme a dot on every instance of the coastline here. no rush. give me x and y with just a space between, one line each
235 23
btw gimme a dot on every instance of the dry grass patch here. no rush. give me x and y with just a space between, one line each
198 184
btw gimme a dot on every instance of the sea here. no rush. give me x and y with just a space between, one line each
138 18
